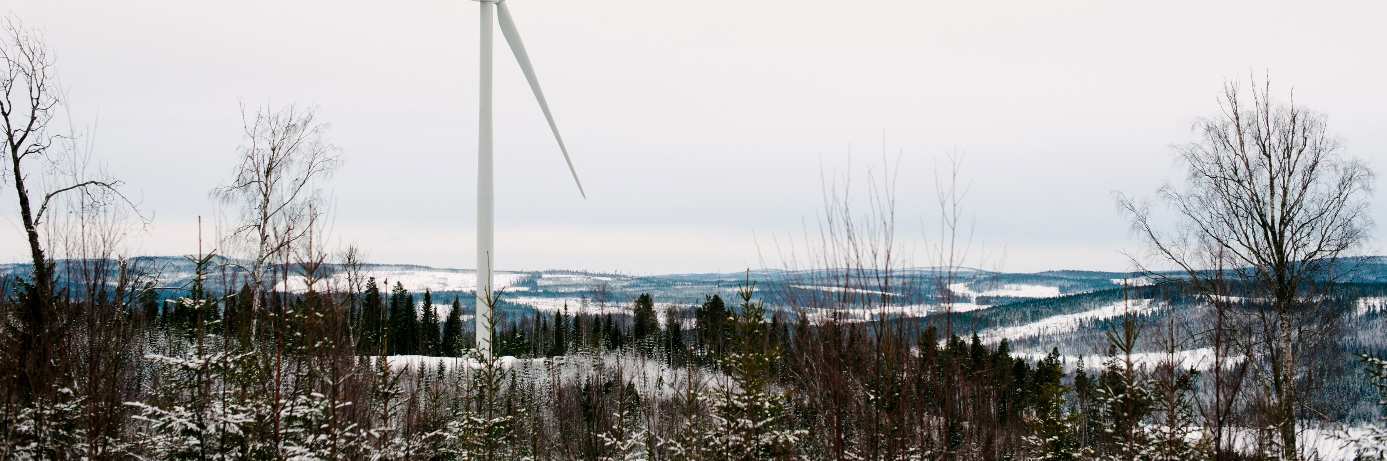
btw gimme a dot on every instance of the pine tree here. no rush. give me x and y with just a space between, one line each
452 331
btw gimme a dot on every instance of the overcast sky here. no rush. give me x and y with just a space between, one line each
699 128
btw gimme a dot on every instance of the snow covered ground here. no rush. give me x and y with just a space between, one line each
416 279
864 314
443 309
1370 305
571 283
573 305
1134 282
649 375
1011 290
1327 443
577 306
844 290
1200 359
1066 323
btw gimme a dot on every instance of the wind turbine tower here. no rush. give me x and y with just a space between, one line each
495 12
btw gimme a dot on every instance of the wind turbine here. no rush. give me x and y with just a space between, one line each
485 185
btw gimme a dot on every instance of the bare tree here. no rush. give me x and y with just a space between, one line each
275 185
952 248
352 266
29 103
1271 193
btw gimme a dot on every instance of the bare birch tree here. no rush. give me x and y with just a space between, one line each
30 101
276 181
953 246
1271 193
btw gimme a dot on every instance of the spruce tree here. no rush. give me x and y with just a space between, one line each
238 319
560 343
372 320
428 327
645 321
1370 442
1122 397
711 322
403 323
149 303
452 330
1083 402
753 415
674 338
1054 436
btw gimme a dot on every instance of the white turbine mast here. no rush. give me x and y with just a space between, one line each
485 185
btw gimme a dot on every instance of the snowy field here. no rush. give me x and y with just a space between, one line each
865 314
1200 359
571 283
1370 305
575 306
1134 282
443 309
1330 443
843 290
650 376
1011 290
415 279
1066 323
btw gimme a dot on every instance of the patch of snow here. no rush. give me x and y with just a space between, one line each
444 309
1134 282
834 289
1010 290
865 314
1327 443
1369 305
574 305
581 280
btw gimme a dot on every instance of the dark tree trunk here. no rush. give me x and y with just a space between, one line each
34 347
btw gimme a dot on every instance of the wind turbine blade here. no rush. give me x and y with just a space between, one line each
518 49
